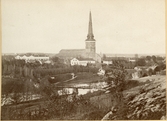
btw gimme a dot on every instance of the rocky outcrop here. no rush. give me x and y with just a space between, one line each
110 115
146 102
149 103
136 75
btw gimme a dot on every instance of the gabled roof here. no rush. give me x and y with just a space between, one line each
84 59
71 53
107 59
71 50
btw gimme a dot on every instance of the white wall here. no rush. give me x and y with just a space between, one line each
75 61
31 58
107 62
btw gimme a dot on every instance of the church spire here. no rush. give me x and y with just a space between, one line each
90 42
90 29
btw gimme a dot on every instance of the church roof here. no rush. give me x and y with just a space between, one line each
107 59
71 50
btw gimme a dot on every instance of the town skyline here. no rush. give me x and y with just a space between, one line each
119 27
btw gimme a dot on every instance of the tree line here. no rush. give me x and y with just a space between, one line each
19 68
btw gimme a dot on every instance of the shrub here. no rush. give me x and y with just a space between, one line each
163 72
130 84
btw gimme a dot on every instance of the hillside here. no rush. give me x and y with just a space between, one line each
144 102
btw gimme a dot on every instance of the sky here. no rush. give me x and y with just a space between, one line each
119 26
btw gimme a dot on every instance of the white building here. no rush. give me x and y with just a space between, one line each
30 58
132 60
82 62
107 62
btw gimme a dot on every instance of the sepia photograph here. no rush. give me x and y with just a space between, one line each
83 60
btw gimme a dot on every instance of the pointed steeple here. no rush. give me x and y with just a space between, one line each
90 42
90 35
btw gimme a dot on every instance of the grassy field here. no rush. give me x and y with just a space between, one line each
60 78
83 78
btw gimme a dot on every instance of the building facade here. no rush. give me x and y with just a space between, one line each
81 61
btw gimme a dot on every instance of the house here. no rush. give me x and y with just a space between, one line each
132 60
107 61
82 61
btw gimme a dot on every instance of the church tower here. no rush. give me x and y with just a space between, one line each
90 42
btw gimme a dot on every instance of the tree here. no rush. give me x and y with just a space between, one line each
116 82
162 66
159 58
55 59
148 58
154 58
116 78
140 62
150 72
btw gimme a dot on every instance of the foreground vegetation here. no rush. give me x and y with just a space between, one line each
133 99
143 99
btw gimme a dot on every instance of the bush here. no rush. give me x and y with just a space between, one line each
130 84
95 115
149 72
162 72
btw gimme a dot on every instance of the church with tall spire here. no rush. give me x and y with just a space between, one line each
90 42
90 47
